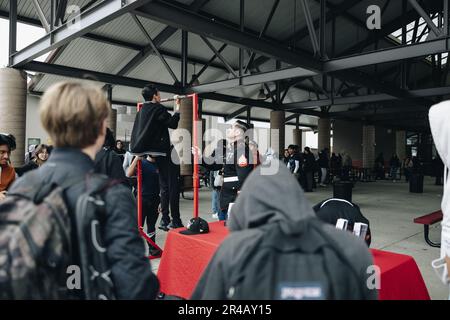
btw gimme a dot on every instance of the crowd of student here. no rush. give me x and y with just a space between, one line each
325 168
279 248
305 166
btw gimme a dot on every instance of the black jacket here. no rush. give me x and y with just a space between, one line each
323 161
108 163
309 162
30 165
150 132
237 163
131 270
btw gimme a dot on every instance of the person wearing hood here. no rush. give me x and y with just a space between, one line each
254 219
439 117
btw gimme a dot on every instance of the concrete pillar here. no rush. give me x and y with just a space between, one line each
277 130
298 135
112 121
368 146
13 108
186 123
131 110
400 144
324 129
122 110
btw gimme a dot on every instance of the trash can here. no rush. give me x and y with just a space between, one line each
416 183
343 190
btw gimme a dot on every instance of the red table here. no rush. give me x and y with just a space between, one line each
186 257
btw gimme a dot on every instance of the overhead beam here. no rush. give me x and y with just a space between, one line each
310 24
139 83
253 103
12 29
388 55
262 32
425 17
89 20
60 12
331 14
154 48
234 114
162 37
420 93
96 76
206 65
253 79
41 16
120 43
189 21
302 33
387 29
219 55
371 98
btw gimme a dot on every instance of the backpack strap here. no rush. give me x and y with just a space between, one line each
317 225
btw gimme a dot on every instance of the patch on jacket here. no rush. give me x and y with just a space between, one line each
300 291
242 162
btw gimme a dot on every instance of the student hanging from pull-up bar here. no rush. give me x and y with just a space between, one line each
150 136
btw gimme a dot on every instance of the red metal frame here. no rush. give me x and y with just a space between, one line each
194 98
139 206
196 182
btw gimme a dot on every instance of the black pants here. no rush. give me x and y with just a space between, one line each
150 214
169 184
309 181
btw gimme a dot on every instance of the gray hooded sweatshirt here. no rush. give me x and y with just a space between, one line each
276 200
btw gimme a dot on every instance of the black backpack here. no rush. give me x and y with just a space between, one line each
308 267
35 240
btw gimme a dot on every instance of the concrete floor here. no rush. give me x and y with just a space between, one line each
389 207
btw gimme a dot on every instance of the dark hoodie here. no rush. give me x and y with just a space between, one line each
276 200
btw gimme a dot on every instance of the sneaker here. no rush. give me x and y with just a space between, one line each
175 225
163 226
215 216
156 253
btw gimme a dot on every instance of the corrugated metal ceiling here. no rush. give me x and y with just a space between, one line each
288 18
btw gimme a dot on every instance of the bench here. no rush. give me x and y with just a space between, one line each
428 220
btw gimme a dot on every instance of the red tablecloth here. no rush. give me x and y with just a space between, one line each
186 257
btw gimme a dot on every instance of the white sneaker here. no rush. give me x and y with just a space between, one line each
215 216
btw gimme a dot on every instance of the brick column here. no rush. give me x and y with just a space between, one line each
400 144
297 133
368 146
112 120
13 109
277 131
324 127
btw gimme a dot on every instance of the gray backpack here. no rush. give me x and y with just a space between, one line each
35 241
308 267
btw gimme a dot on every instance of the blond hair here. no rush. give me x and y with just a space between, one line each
73 113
